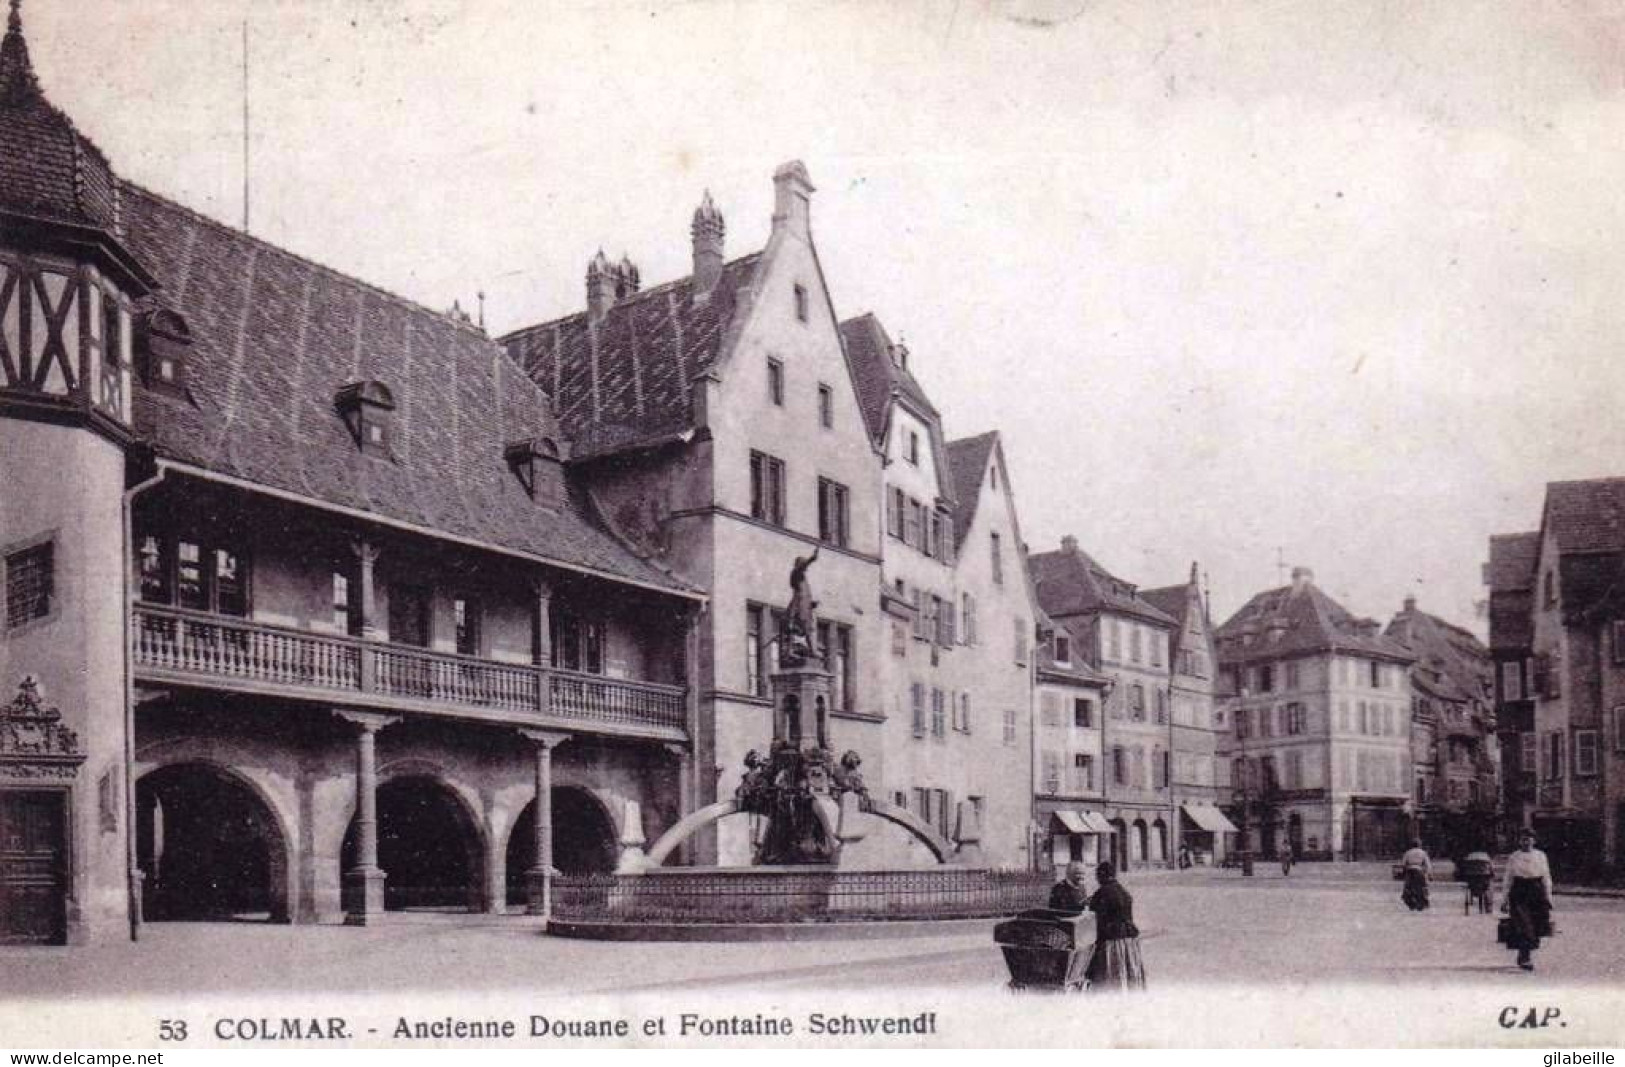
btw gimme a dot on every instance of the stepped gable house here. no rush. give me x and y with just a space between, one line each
716 424
307 615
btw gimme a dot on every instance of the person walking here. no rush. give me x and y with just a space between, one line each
1417 869
1287 857
1115 963
1526 898
1071 894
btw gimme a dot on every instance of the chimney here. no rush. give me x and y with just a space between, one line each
1302 578
1069 545
792 195
627 279
600 287
899 355
707 230
1410 604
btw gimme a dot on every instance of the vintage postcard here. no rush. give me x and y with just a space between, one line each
611 524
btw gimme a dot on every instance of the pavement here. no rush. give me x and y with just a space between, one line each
1326 923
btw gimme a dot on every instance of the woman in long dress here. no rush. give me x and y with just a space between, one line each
1526 898
1417 868
1115 963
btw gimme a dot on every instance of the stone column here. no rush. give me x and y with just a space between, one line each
539 879
684 769
542 591
366 554
365 880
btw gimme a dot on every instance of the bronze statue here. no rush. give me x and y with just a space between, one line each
800 621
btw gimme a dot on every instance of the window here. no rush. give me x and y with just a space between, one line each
916 698
998 558
1157 640
826 406
775 381
911 448
1244 723
1512 673
1009 726
1133 643
1160 700
913 520
30 584
1266 773
1527 759
967 618
761 633
1292 675
465 616
1063 648
1114 646
346 605
1376 675
939 718
1585 752
1052 773
202 575
409 617
944 611
1083 712
115 372
833 517
836 641
767 488
801 303
1554 755
1083 772
1136 702
1021 641
153 558
1266 678
964 713
1119 765
578 643
1296 719
1294 769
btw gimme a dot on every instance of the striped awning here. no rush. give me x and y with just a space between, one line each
1210 819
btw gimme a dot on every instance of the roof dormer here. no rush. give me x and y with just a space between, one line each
538 464
368 409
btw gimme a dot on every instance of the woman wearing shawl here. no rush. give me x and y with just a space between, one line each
1115 963
1416 868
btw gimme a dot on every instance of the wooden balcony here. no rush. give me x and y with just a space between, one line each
211 651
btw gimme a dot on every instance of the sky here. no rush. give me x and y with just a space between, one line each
1324 284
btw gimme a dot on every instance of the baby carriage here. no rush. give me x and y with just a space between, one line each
1478 874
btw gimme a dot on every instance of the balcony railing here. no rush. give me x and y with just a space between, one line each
255 656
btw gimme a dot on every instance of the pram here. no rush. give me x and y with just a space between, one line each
1479 875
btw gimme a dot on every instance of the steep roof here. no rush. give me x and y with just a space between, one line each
275 336
1070 582
1174 601
1450 661
625 381
1587 516
1512 561
879 374
967 461
1299 619
48 169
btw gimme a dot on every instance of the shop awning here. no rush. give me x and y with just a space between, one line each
1070 822
1096 822
1210 819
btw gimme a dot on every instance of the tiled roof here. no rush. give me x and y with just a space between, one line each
1512 561
1075 673
1459 658
878 374
624 382
967 463
1587 516
275 336
48 169
1299 619
1070 582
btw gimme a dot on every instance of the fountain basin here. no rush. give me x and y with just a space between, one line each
767 903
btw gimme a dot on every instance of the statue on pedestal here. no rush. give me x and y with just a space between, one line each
800 631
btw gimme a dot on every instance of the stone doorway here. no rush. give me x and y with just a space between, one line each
208 847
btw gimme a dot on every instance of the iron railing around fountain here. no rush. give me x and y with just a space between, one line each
687 895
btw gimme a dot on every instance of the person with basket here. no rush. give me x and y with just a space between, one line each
1526 900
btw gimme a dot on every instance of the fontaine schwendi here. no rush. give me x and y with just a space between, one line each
809 807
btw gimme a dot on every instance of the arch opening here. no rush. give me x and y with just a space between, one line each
209 847
428 847
584 840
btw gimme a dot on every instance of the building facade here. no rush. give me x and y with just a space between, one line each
1130 640
1069 755
305 617
1570 693
1510 575
1456 757
1319 745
